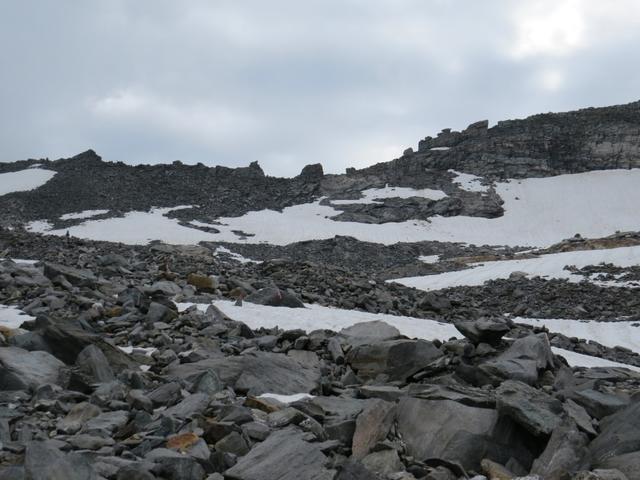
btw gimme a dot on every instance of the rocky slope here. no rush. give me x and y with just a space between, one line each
172 362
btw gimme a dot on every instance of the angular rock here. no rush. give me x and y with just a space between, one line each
44 461
284 455
445 429
566 453
92 362
24 370
369 332
274 297
536 411
256 373
372 426
79 414
397 359
488 331
522 361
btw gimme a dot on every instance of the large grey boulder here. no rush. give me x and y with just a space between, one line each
536 411
75 276
445 429
44 461
284 455
256 373
66 340
24 370
396 359
275 297
619 435
628 464
93 363
565 454
523 360
599 404
369 332
372 426
484 330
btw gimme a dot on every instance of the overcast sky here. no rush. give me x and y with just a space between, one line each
292 82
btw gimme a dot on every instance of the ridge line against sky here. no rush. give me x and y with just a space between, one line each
344 83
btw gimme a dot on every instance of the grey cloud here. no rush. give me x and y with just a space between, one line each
342 82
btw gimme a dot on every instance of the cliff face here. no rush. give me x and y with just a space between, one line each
541 145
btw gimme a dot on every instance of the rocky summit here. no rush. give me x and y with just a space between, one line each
469 310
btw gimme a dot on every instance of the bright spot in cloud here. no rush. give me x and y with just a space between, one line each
551 80
549 27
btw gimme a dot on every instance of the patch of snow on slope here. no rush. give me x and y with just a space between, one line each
286 398
371 195
609 334
82 215
11 317
235 256
24 180
579 360
440 149
469 182
538 212
135 228
316 317
547 266
429 258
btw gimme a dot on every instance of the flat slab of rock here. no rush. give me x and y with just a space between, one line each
284 455
24 370
397 359
536 411
443 429
257 373
521 361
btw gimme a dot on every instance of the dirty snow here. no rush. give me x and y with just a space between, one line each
546 266
24 180
82 215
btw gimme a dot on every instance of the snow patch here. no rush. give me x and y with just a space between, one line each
371 195
469 182
546 266
316 317
286 398
440 149
609 334
579 360
234 256
82 215
538 212
129 349
24 180
429 258
12 317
